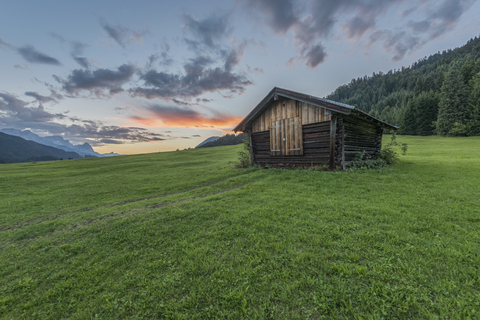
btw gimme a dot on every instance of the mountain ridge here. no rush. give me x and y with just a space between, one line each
15 149
211 139
55 141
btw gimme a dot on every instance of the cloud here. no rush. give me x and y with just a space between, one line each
99 133
123 35
184 103
199 77
203 100
255 70
308 26
30 54
97 81
76 49
82 62
358 25
291 62
9 102
400 43
16 113
39 98
162 58
234 57
209 31
439 19
173 116
446 16
312 22
314 55
210 70
278 14
419 26
110 141
4 44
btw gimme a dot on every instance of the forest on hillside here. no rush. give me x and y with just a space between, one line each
226 140
439 94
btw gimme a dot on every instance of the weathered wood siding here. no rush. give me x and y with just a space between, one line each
352 137
316 147
285 108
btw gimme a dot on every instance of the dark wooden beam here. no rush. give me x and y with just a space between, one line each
252 156
333 130
343 145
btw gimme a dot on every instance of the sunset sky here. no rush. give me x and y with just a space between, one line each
149 76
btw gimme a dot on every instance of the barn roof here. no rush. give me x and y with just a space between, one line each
338 107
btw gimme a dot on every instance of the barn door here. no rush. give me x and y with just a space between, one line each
286 137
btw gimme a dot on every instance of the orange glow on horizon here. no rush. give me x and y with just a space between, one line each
201 122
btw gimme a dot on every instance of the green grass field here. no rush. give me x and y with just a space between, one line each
184 235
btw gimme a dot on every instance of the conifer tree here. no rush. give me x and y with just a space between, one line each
451 108
409 121
473 112
467 70
427 109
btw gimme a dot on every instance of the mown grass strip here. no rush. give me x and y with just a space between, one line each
37 221
61 222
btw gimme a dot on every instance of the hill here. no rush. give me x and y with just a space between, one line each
226 140
15 149
211 139
184 235
85 149
428 97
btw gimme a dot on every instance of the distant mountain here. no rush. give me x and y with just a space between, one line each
226 140
111 154
15 149
54 141
84 150
211 139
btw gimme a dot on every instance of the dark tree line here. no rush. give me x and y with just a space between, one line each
226 140
435 95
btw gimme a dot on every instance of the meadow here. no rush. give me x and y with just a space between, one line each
185 235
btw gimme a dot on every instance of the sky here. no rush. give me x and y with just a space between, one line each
150 76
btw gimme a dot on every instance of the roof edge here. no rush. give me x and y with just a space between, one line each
319 102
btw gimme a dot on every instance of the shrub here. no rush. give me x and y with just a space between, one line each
363 160
389 153
459 129
244 155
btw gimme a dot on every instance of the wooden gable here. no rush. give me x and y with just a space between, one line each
285 108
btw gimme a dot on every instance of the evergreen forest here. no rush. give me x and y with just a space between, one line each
439 94
226 140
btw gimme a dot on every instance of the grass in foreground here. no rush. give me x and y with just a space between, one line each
184 235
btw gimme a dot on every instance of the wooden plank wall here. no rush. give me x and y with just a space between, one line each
316 147
340 143
358 136
285 108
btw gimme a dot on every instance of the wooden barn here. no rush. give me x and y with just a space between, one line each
291 128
